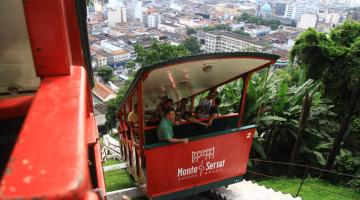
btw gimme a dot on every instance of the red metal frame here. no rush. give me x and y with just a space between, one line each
50 158
50 44
60 140
15 106
180 172
140 114
243 99
146 73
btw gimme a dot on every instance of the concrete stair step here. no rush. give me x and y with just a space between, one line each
247 190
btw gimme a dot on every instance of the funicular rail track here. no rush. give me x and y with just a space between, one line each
212 195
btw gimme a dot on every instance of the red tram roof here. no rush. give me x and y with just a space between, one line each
187 76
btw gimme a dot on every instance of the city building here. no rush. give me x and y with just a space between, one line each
224 41
102 93
130 11
265 11
100 60
98 6
138 12
280 9
172 28
300 8
227 9
259 31
175 6
307 21
117 15
290 11
95 17
121 57
113 4
152 20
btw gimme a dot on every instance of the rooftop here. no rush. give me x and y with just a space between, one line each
232 35
102 92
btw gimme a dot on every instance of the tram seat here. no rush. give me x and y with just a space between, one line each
188 130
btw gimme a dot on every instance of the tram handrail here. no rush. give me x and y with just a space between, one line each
200 119
198 137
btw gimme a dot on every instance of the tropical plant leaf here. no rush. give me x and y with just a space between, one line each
272 118
259 149
319 157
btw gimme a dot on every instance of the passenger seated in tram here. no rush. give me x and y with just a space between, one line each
133 120
165 130
164 104
186 113
160 108
133 117
205 104
214 111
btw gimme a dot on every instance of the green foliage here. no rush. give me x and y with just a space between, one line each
190 31
90 2
332 58
158 52
117 180
192 45
355 183
113 104
105 72
346 162
248 18
223 27
278 106
111 162
130 65
241 32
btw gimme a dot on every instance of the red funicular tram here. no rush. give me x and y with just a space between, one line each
49 147
214 156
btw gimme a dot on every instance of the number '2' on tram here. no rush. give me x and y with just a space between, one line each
215 156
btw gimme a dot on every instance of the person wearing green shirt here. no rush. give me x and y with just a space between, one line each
165 131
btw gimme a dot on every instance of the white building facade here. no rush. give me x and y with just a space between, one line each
117 15
307 21
217 41
152 20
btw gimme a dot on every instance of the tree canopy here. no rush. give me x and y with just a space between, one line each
248 18
190 31
192 45
334 59
105 72
223 27
241 32
159 52
155 53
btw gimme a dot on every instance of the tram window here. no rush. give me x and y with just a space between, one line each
188 130
231 90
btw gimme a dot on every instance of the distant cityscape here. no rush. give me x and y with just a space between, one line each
116 26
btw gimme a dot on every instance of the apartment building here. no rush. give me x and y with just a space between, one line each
152 20
224 41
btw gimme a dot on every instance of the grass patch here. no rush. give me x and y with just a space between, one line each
312 189
111 162
115 136
118 179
